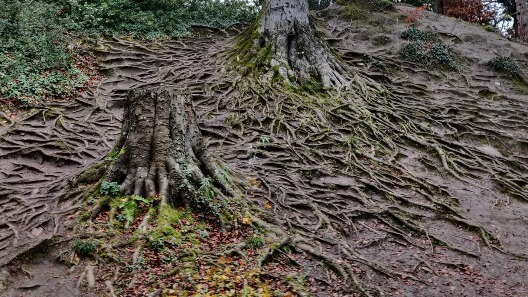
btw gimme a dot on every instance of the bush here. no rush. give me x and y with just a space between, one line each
415 34
505 65
35 61
429 54
149 19
84 247
372 5
426 49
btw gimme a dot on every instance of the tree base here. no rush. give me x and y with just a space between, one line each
161 150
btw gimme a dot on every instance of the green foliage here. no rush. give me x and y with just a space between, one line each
490 28
209 198
35 61
255 242
372 5
425 49
109 188
319 4
36 52
84 247
415 34
505 65
152 18
129 207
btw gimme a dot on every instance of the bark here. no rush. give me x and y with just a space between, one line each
521 27
163 150
297 53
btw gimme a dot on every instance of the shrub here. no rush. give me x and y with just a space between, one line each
505 65
35 61
429 54
474 11
415 34
426 49
149 19
84 247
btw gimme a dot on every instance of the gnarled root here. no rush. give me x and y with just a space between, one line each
162 150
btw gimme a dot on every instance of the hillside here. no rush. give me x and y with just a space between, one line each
419 190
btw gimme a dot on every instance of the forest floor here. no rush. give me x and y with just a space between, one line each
47 145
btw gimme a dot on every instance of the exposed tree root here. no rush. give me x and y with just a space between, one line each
328 170
163 151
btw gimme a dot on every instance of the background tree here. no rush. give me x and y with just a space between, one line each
288 48
474 11
521 26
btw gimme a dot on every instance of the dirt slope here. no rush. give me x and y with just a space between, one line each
476 107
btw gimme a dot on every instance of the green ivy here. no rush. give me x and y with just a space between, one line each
425 48
150 19
35 60
36 36
505 65
415 34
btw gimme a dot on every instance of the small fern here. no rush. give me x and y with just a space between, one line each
84 247
130 206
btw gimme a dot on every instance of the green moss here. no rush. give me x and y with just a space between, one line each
242 55
521 85
94 173
255 242
381 40
353 12
115 153
174 227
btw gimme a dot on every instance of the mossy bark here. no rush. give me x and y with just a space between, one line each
293 50
164 152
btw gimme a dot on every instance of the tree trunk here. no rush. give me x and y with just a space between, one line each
162 150
297 54
522 20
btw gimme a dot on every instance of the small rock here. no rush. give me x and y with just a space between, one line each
497 84
36 231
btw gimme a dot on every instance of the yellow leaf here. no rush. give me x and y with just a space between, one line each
246 220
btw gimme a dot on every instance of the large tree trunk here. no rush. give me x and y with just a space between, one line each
162 148
297 53
522 20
